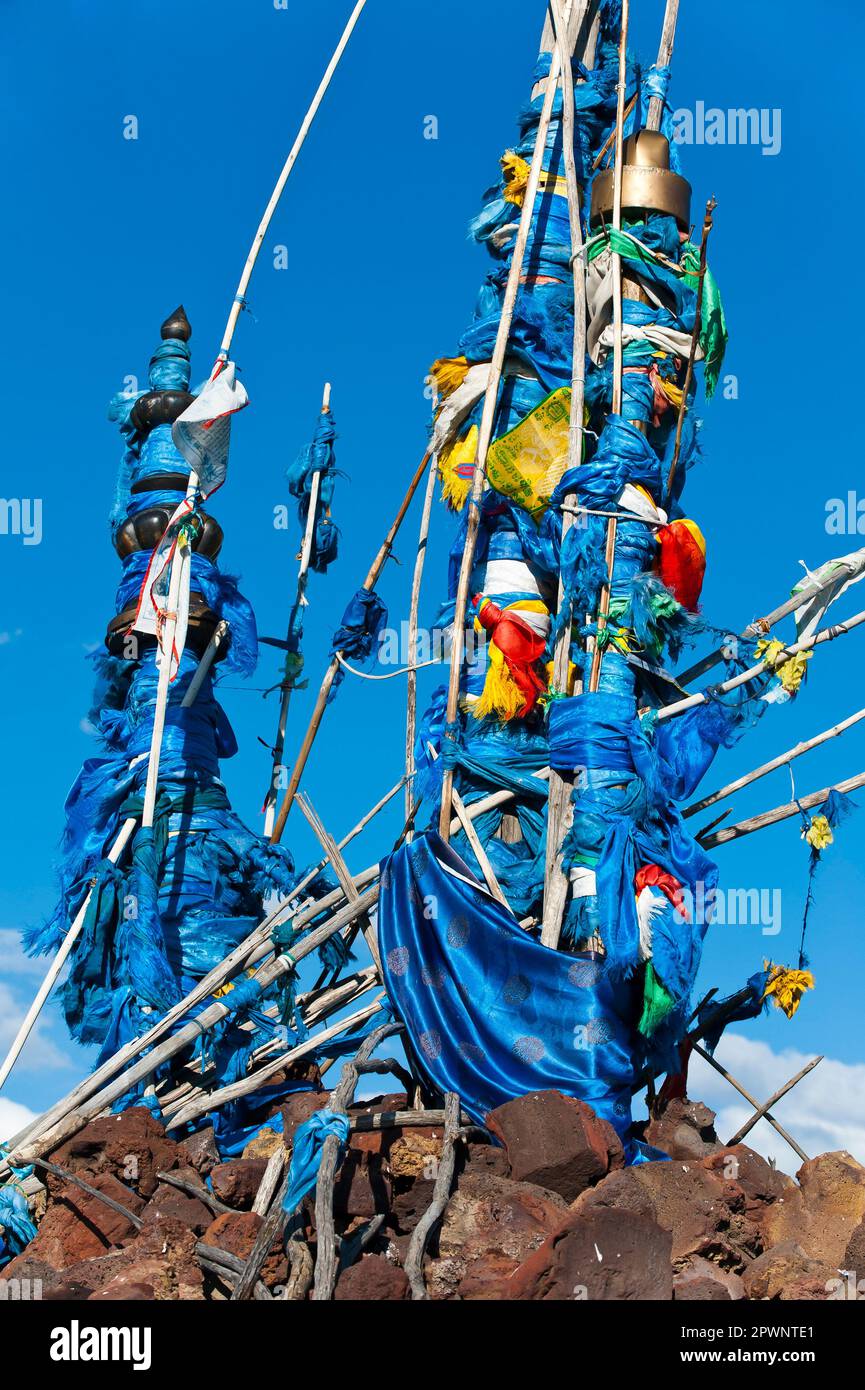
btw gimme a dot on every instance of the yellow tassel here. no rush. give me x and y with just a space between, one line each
790 672
674 393
786 987
819 833
449 373
501 695
461 454
515 174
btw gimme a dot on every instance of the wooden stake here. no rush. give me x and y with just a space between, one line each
441 1194
763 1111
737 1086
330 674
665 54
340 868
779 813
219 634
486 427
782 760
300 597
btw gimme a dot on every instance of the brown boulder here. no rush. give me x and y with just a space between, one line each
788 1274
414 1155
131 1145
170 1203
685 1129
489 1227
297 1109
199 1151
237 1183
162 1257
822 1214
597 1254
854 1255
555 1142
263 1144
235 1232
78 1227
702 1281
363 1185
373 1278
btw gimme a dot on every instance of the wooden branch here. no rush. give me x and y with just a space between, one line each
199 1191
737 1086
441 1195
326 1265
762 1112
270 1180
227 1267
782 760
331 672
665 54
74 1179
340 868
779 813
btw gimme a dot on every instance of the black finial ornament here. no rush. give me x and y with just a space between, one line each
177 325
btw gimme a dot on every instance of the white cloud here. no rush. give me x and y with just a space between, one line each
13 1118
825 1111
13 961
40 1053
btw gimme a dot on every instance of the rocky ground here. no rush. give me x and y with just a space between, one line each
551 1214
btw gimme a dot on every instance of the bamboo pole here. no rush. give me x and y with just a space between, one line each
486 427
761 1113
559 800
340 868
300 598
782 760
61 957
779 813
411 688
618 350
330 674
826 634
243 284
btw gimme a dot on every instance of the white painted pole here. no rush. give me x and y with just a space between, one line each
60 959
275 196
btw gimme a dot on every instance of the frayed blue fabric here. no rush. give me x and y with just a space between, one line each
306 1153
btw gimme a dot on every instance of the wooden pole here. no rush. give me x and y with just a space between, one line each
695 342
441 1194
243 284
340 868
219 634
414 608
779 813
330 674
762 1112
618 350
665 54
300 598
61 957
737 1086
558 805
782 760
826 634
486 426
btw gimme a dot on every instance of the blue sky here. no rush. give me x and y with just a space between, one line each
104 235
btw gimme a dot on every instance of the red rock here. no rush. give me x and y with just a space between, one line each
409 1202
298 1108
163 1257
131 1145
78 1227
373 1278
598 1254
235 1232
701 1281
128 1288
490 1225
854 1255
199 1151
788 1274
363 1185
237 1183
171 1204
556 1142
685 1129
824 1211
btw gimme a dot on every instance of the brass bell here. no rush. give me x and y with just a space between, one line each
648 182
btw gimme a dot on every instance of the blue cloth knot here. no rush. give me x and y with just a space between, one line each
307 1150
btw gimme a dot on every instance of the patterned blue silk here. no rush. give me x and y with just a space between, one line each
491 1013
